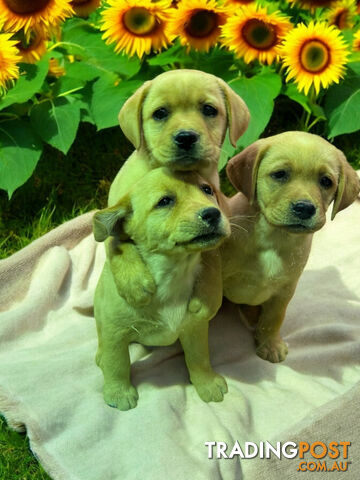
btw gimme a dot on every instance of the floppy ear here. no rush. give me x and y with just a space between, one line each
237 112
348 187
107 222
242 169
130 115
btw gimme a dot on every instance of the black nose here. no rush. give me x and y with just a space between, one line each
303 209
185 139
211 216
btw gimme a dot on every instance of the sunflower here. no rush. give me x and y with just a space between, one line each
253 33
55 69
314 55
31 46
356 44
312 5
137 26
83 8
197 22
9 57
342 14
237 3
26 14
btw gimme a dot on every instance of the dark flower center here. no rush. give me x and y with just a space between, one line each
202 23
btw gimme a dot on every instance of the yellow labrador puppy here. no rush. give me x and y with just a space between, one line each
178 120
287 182
171 218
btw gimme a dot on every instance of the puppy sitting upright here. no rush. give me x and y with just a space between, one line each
287 182
178 120
170 219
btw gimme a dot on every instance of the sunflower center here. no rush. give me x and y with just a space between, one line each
24 7
314 56
341 20
139 20
78 2
259 35
202 23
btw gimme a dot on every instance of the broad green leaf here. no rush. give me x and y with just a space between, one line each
20 150
227 151
56 121
108 97
29 83
82 39
258 93
174 54
82 71
293 93
342 107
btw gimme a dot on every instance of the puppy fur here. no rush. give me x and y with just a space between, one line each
171 218
159 119
287 182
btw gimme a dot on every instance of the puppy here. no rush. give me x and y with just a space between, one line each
178 120
171 218
287 182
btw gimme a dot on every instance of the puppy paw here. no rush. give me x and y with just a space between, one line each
123 397
210 386
272 349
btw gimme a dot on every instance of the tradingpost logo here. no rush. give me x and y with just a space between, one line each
312 457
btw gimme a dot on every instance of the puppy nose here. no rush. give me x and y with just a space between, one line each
303 209
185 139
211 216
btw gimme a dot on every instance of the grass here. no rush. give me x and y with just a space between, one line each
61 188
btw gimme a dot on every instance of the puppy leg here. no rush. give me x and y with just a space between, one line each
269 344
203 306
113 358
133 280
209 385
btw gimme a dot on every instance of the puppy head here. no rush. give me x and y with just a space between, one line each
181 117
293 177
166 213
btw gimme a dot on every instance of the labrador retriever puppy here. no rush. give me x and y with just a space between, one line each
178 120
286 183
171 218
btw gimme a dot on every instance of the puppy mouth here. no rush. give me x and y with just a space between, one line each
299 228
204 239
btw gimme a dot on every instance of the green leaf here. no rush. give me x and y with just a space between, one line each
342 107
293 93
227 151
80 38
108 98
29 83
20 150
56 121
258 93
82 71
174 54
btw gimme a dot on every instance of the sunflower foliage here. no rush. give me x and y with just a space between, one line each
63 62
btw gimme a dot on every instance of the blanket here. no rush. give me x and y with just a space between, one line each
51 387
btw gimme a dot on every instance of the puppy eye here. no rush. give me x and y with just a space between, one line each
160 113
326 182
209 110
280 175
165 202
207 189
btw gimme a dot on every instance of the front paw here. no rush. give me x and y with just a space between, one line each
123 397
210 386
272 349
137 293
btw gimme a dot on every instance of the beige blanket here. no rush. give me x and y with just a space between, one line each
49 383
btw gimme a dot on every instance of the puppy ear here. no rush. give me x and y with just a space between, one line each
237 112
107 222
242 169
348 187
130 115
